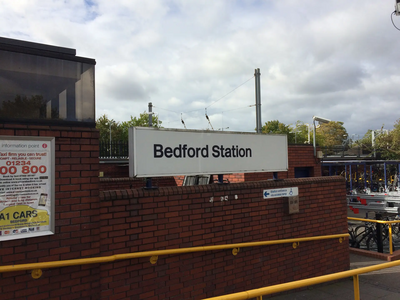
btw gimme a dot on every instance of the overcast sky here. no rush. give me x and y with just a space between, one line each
336 59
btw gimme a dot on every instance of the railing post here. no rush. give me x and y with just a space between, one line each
390 239
379 242
356 285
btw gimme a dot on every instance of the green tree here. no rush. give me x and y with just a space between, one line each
105 125
142 121
301 131
365 143
331 134
387 143
276 127
119 131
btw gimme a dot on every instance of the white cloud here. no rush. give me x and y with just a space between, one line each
334 58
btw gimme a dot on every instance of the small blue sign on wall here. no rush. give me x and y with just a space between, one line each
282 192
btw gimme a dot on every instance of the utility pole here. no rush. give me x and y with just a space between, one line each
150 114
149 182
257 75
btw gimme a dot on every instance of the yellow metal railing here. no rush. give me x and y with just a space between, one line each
36 267
380 222
258 293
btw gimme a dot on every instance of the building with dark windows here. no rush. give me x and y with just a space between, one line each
45 84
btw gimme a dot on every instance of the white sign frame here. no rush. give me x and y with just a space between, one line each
27 194
155 152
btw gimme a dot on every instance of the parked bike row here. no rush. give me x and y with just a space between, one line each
366 235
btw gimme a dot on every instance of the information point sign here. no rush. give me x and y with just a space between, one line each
26 187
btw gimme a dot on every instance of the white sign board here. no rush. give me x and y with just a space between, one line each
26 187
281 192
164 152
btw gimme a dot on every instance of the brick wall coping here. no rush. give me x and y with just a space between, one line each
107 179
129 193
104 179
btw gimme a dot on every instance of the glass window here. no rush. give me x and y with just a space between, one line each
40 88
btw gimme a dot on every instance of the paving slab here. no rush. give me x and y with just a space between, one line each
382 284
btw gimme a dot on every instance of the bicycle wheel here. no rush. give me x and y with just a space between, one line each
386 243
352 239
396 230
362 234
372 244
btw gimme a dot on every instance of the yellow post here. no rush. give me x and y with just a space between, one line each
356 285
390 239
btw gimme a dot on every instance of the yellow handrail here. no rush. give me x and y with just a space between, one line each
381 222
374 221
307 282
154 254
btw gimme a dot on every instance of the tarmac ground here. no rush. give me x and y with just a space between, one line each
382 284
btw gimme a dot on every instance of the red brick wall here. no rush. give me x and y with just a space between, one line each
130 183
115 168
134 183
76 221
298 156
89 223
175 217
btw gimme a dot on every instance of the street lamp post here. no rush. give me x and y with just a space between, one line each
308 132
320 120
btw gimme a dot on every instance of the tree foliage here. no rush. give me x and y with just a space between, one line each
327 134
301 133
276 127
24 107
387 143
365 143
331 134
142 121
119 131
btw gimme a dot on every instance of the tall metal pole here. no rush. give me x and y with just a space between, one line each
149 183
314 145
257 75
150 114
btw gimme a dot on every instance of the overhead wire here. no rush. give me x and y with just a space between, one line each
238 108
230 91
209 105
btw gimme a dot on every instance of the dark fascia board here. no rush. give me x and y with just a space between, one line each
42 50
49 122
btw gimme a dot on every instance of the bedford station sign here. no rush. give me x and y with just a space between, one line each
167 152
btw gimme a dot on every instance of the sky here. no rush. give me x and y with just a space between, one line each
335 59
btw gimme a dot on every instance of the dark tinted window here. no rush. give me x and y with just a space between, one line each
300 172
36 87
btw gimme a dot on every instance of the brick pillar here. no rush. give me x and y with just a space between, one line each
76 220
